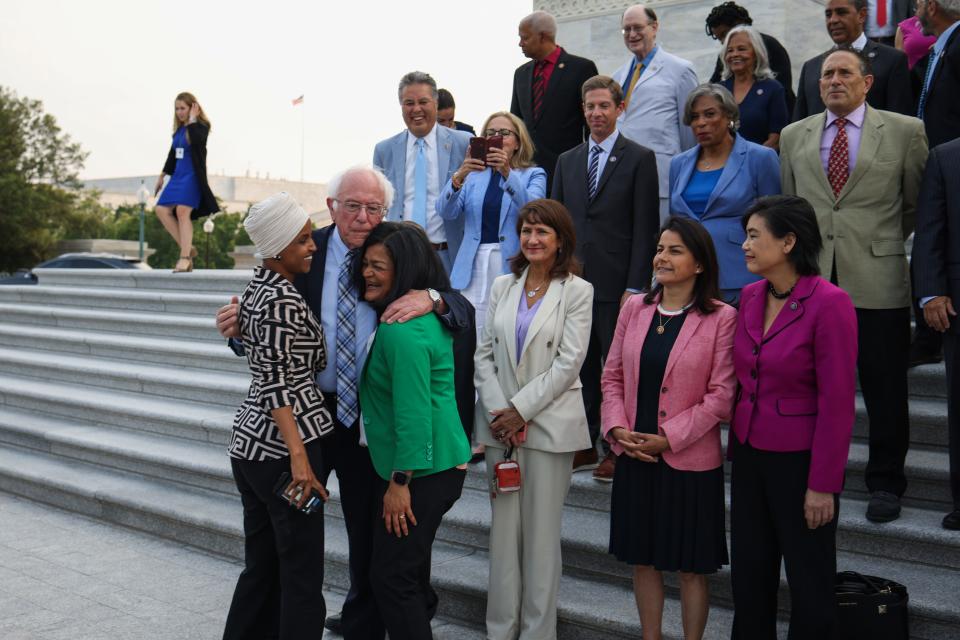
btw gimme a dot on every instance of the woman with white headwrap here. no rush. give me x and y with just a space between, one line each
276 434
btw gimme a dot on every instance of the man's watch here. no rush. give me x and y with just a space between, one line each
400 478
435 298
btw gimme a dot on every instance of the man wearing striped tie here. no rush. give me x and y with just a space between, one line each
609 184
546 91
860 168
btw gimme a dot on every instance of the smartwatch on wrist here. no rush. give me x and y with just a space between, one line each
400 478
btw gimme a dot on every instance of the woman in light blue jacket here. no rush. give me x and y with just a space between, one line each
489 194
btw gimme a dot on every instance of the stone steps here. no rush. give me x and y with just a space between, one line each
144 301
110 321
123 412
181 353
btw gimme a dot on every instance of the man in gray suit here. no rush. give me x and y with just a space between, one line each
419 162
655 86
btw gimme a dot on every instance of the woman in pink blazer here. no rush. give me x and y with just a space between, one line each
795 354
667 385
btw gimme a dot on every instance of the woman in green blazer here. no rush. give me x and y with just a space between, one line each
410 421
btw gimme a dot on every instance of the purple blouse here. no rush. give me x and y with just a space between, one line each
915 44
524 318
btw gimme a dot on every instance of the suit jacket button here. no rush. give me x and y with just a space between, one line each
549 343
497 340
502 238
756 351
495 369
829 236
663 389
836 207
753 373
663 414
753 397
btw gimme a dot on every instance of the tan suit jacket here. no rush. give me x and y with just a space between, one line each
863 228
544 385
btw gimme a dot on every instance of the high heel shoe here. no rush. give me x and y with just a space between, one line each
188 268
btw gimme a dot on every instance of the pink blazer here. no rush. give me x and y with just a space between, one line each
797 382
698 384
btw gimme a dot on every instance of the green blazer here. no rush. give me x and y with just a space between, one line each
407 400
864 228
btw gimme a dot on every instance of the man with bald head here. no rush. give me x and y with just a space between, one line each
546 91
655 88
359 198
891 89
861 169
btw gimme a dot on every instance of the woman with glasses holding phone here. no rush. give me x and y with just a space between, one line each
489 192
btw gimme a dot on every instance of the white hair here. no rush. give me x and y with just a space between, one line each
951 7
333 185
541 22
761 69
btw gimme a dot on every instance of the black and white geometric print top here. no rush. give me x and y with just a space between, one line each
285 350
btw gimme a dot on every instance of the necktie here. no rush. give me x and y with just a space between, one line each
838 166
420 186
881 13
346 344
538 88
593 172
931 65
637 70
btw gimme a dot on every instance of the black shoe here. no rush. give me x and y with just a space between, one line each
884 507
334 623
924 354
952 520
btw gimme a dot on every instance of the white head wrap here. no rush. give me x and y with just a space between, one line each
273 223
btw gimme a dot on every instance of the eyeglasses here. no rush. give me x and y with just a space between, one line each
638 29
373 209
506 133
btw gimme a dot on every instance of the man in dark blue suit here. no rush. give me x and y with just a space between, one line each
936 254
359 199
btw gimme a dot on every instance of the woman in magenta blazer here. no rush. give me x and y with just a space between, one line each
795 354
667 385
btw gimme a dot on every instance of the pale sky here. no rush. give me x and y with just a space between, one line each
108 71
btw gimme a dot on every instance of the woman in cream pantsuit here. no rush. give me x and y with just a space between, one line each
527 375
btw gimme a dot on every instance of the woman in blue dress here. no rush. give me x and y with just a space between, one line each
187 195
747 75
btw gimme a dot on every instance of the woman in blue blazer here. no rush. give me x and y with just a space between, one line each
719 178
489 195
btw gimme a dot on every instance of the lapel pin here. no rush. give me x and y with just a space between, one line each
793 305
613 158
872 54
561 65
759 92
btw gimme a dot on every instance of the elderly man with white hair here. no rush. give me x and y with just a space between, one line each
546 91
359 198
655 88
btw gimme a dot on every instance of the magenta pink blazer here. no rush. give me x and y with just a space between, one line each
698 383
797 382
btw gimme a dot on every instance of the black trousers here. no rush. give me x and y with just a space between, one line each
883 337
951 356
359 492
279 592
400 571
601 337
766 524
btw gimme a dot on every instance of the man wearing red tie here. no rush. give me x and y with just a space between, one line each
861 169
883 16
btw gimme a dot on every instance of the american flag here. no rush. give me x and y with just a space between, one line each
299 100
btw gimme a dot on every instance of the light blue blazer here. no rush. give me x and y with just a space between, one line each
390 156
521 186
751 171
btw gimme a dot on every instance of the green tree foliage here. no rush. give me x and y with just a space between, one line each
126 226
38 164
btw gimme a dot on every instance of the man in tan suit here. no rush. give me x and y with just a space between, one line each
861 169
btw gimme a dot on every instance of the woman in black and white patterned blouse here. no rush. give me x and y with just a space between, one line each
277 429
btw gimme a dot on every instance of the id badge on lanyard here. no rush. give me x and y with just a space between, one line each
179 153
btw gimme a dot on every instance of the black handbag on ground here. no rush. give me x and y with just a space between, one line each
870 608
